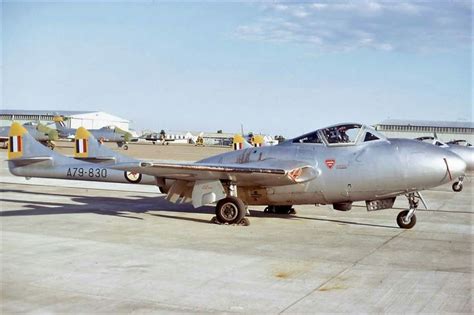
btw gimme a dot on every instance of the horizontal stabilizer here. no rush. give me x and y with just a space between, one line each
97 159
30 160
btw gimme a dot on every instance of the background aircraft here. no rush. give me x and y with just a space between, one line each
464 151
335 165
38 131
239 142
463 143
104 134
155 137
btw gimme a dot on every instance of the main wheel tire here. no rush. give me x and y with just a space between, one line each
404 224
230 210
457 186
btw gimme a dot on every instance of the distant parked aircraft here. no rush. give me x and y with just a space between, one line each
104 134
38 131
465 152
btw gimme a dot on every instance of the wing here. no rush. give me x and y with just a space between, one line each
262 173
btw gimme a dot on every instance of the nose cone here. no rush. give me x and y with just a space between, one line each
456 165
428 166
441 166
465 153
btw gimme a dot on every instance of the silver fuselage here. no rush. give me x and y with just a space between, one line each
367 171
37 135
103 133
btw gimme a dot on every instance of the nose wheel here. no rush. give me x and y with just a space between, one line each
407 218
457 186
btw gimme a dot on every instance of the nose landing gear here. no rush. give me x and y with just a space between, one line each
407 218
457 186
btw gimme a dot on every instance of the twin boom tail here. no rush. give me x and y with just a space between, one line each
28 158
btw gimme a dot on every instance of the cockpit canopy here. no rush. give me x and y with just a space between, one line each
432 140
460 142
342 134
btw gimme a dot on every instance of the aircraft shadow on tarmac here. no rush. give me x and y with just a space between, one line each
126 207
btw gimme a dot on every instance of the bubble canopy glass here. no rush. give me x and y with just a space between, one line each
341 134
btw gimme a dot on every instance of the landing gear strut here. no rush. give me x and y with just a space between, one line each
407 218
457 186
51 145
280 210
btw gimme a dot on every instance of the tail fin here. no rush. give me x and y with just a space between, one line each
23 149
15 141
258 141
240 143
59 122
87 147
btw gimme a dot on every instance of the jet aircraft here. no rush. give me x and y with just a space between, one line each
38 131
239 142
104 134
460 142
335 165
464 151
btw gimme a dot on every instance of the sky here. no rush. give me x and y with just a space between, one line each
275 67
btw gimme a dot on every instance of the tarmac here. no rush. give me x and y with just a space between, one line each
80 247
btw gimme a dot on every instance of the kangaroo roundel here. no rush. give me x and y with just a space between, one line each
133 177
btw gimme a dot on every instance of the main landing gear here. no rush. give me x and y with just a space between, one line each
457 186
122 145
231 210
280 210
407 218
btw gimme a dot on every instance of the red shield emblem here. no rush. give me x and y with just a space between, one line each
330 163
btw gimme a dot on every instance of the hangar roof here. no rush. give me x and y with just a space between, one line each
43 112
65 113
427 123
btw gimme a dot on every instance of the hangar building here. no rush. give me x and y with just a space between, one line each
75 119
445 130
